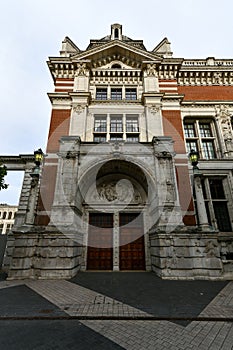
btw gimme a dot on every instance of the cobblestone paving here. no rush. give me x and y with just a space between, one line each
161 335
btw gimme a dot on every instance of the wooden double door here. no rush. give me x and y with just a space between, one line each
130 235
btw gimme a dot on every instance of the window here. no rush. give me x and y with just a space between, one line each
100 124
189 130
115 127
116 94
200 137
116 124
130 94
101 93
208 149
216 203
132 124
116 66
1 228
4 215
10 215
205 130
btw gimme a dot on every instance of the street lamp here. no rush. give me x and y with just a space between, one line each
194 158
38 158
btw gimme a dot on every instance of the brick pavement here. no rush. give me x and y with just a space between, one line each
132 334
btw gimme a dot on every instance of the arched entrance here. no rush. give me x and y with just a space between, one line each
115 206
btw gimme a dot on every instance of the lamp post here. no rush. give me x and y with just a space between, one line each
200 202
35 175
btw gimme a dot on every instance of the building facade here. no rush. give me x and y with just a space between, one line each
117 191
7 217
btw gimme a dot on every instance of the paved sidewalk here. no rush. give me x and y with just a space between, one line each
115 311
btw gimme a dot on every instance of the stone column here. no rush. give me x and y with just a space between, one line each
201 209
21 214
33 196
225 132
63 209
116 242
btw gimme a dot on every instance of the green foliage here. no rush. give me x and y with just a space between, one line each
3 173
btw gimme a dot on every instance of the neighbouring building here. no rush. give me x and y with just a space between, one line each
7 217
117 191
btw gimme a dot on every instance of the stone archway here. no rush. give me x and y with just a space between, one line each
116 203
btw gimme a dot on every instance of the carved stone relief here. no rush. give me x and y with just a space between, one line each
81 70
151 71
224 116
121 191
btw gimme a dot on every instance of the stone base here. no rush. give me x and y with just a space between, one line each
45 255
187 254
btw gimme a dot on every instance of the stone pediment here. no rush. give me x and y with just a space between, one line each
116 50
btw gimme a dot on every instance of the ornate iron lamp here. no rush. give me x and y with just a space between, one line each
194 158
38 158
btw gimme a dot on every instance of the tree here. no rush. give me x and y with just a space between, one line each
3 173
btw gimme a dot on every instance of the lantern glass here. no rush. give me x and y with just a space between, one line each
193 157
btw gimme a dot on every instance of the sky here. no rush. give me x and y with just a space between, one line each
31 31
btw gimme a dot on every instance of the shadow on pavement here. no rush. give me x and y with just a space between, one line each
147 292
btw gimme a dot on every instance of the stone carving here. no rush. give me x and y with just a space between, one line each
224 116
121 191
211 249
155 109
151 71
81 70
217 78
78 108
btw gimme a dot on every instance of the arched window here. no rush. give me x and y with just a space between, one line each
116 33
116 66
4 215
10 215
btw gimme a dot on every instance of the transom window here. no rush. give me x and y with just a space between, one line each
200 137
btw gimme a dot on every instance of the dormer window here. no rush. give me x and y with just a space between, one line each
116 33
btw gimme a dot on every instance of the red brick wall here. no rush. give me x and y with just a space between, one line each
205 93
59 126
172 126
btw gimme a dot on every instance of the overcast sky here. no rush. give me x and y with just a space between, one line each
33 30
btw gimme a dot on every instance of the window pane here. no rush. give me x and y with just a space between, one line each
116 124
208 149
99 138
216 189
100 124
116 94
205 130
222 216
132 124
189 130
130 94
191 145
101 94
